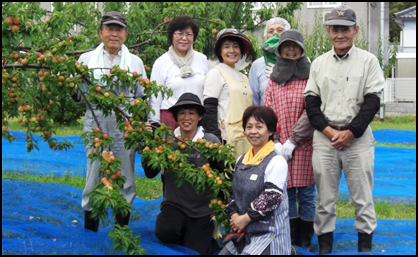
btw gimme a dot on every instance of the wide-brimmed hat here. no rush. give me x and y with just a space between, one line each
342 15
234 33
187 99
114 17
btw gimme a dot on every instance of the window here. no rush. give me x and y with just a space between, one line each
323 4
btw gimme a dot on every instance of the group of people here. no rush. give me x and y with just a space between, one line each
295 126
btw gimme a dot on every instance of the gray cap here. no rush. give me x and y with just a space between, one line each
342 15
291 35
114 17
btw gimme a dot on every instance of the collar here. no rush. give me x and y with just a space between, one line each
346 56
108 54
199 134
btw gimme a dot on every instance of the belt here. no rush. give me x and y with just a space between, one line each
340 127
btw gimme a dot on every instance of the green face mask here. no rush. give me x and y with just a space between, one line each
269 48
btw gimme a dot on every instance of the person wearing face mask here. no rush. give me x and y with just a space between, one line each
284 94
181 69
227 92
260 71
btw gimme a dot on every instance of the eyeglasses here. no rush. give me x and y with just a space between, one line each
181 35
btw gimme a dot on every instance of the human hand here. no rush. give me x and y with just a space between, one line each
342 140
148 126
287 150
269 69
239 222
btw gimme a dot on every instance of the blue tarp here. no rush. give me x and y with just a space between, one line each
37 218
395 136
45 161
395 168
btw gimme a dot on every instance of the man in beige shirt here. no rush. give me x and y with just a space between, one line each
342 100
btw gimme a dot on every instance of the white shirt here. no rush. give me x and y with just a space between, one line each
136 65
215 86
166 72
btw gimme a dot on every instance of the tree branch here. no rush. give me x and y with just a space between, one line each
252 27
88 104
29 66
233 17
205 19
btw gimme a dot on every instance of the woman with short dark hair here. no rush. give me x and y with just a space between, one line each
227 92
185 214
258 206
181 69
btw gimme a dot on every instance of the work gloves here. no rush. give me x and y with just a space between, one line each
269 69
240 240
287 150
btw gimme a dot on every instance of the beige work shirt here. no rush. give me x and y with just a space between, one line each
342 83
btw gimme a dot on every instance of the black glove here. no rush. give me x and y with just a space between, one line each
210 120
240 240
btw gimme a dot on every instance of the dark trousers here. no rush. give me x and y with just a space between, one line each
175 227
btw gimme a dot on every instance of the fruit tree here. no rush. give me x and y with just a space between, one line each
40 74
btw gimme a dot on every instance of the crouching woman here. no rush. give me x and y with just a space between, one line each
258 206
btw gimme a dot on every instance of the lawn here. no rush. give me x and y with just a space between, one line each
149 189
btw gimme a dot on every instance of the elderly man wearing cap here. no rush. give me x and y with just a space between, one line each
110 52
342 100
185 214
226 91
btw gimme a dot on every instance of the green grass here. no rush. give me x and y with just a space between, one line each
74 130
395 122
149 189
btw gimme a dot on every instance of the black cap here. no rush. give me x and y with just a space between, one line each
187 99
114 17
342 15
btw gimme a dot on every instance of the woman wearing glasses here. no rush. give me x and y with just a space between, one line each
227 92
181 69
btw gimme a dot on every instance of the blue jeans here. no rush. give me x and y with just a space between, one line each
305 196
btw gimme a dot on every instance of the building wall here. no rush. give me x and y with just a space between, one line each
406 68
409 36
46 5
368 18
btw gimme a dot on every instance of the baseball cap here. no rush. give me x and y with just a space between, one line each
342 15
114 17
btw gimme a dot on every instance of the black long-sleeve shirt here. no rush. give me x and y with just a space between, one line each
357 126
